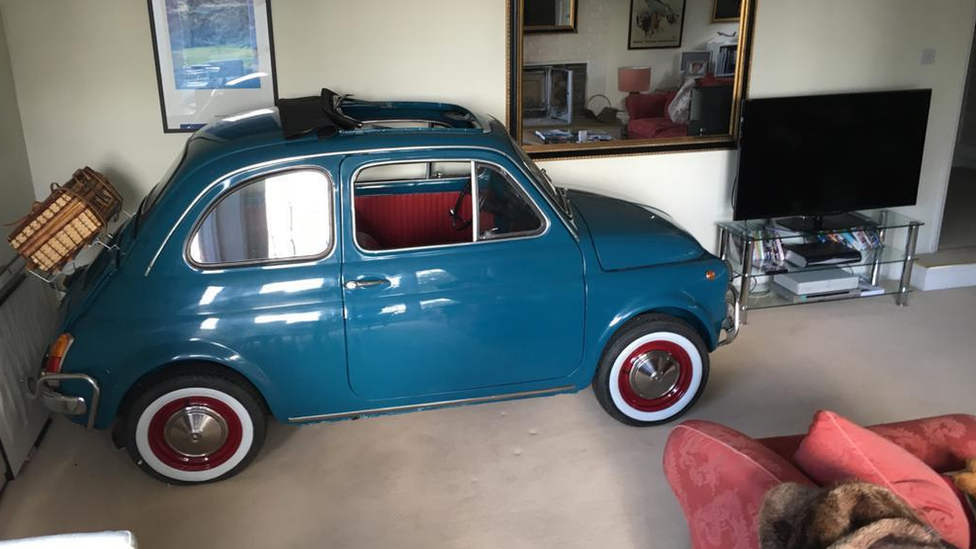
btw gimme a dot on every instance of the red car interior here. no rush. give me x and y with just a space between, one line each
393 221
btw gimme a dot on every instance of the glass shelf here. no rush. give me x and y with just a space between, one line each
881 256
758 229
768 298
738 241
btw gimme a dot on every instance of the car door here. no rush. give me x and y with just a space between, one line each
255 279
435 306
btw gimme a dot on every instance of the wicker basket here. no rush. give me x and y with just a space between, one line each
72 216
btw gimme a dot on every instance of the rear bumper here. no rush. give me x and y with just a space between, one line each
41 388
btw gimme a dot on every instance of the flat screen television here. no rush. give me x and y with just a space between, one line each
820 155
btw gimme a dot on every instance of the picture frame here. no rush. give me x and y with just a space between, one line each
213 60
655 24
695 64
726 11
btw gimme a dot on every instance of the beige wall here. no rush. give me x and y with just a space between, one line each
16 193
90 97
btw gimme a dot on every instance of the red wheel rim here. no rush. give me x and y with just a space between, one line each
170 456
669 398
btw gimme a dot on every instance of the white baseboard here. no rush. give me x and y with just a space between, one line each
944 276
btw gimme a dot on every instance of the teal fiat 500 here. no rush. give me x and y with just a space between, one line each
417 260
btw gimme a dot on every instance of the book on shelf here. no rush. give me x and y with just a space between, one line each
554 136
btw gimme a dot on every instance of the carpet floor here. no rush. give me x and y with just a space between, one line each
547 472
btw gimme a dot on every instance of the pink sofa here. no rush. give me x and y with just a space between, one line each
720 475
649 116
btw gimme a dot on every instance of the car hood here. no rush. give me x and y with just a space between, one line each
629 236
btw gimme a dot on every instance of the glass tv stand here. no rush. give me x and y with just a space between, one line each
754 251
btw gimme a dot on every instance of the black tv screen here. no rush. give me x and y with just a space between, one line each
826 154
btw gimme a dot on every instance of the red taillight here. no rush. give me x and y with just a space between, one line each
55 355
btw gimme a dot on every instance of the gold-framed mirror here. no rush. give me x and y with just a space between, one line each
545 16
637 76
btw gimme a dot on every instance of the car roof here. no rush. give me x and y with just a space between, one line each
256 137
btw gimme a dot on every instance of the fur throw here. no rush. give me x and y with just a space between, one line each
849 516
966 480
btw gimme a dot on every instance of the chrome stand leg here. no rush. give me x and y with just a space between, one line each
723 244
906 269
746 277
876 267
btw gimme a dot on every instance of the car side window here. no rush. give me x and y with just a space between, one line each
421 204
504 210
412 205
280 217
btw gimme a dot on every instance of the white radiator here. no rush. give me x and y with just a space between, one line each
28 316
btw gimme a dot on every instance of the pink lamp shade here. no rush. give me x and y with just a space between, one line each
634 79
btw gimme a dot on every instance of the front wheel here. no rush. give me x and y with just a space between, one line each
652 371
195 428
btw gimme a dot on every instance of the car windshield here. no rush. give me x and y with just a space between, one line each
157 191
555 195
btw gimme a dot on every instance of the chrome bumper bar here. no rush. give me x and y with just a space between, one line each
63 404
732 319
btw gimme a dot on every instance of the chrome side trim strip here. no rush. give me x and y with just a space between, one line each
433 405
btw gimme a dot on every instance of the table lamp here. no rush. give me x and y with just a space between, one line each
634 79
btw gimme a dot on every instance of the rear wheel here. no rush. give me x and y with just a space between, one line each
652 371
194 428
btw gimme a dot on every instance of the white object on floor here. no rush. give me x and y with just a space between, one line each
941 277
96 540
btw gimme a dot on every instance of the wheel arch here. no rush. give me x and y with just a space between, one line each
174 368
687 314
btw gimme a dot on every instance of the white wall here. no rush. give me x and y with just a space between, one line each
16 192
90 97
601 42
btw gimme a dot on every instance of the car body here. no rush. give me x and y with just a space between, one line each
359 328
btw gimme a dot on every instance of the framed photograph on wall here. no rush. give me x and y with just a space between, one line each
214 59
655 24
726 11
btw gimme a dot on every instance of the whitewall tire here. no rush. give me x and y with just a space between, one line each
652 371
192 429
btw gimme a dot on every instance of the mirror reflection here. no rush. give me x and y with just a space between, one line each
648 71
550 15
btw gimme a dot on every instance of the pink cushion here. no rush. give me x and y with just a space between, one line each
720 477
837 450
942 442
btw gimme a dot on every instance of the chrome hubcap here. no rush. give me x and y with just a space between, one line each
654 374
196 431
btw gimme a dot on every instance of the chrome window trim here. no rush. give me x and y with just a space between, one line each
303 259
519 236
259 165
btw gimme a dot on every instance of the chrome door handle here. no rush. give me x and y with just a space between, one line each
366 283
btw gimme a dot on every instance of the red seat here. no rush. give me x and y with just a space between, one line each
410 220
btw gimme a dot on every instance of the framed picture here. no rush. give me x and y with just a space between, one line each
655 24
695 63
214 59
726 11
